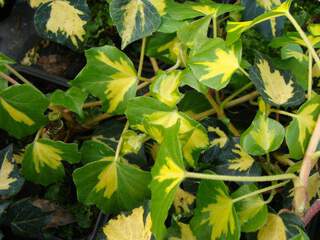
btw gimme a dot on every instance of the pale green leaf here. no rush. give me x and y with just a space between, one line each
274 228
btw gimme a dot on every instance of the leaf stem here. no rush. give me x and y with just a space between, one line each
310 76
266 189
154 64
215 27
17 74
244 72
96 119
304 38
117 154
141 60
92 104
301 195
231 178
236 93
283 113
8 78
221 114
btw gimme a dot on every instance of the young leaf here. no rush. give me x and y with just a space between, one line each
293 50
136 19
132 142
135 226
274 228
72 99
235 29
263 136
10 179
111 185
252 211
21 110
63 21
110 76
214 67
165 87
182 201
42 161
300 128
167 174
215 216
277 87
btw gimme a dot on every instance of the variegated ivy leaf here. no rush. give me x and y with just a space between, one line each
136 19
294 37
167 174
134 226
215 216
278 88
252 211
314 29
112 185
299 131
110 76
263 136
189 79
270 28
294 226
235 29
165 87
42 161
182 201
5 59
72 99
37 3
293 50
132 142
94 150
274 228
214 67
21 110
63 21
184 232
152 117
10 179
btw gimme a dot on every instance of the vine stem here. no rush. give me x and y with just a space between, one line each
301 195
231 178
97 119
143 48
283 113
8 79
117 154
221 114
304 37
17 74
236 93
262 190
310 76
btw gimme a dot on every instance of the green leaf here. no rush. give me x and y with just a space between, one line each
72 99
194 103
165 87
132 142
314 29
21 110
214 67
42 161
134 226
189 79
277 87
215 216
294 226
110 76
182 232
263 136
136 19
63 21
299 131
293 50
152 117
10 179
167 174
252 211
5 59
111 185
235 29
274 228
95 150
195 33
294 37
